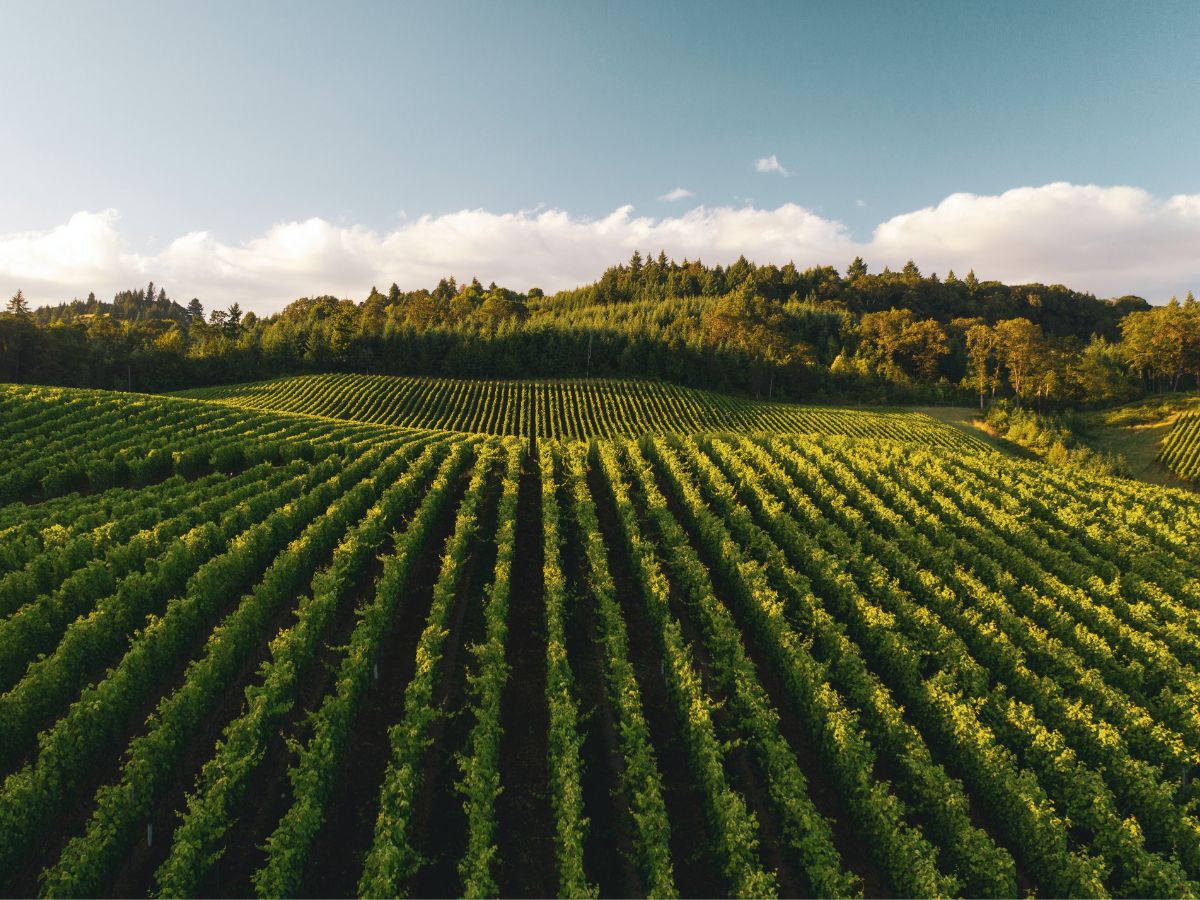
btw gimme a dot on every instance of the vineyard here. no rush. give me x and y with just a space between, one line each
559 409
1181 447
344 635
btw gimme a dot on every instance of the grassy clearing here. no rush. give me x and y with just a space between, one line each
1134 432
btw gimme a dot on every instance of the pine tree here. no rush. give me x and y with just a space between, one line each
18 305
233 320
196 309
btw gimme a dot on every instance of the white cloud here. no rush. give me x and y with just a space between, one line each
678 193
85 250
861 204
770 164
1109 240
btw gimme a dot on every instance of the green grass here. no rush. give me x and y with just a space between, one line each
1136 431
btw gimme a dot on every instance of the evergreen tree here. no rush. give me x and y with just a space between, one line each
18 305
747 327
233 321
446 290
375 298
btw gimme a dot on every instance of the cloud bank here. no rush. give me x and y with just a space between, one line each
1108 240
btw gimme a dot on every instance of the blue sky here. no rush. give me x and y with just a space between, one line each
231 119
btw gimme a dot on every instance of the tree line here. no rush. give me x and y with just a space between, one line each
771 331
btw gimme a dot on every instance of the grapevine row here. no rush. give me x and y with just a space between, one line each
393 858
561 409
224 781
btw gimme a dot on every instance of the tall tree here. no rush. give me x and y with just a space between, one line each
900 346
635 264
17 332
18 305
747 321
1100 375
1021 348
233 321
982 372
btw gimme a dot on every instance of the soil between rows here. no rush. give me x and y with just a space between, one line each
337 854
980 817
231 875
135 877
524 812
740 770
825 797
72 817
608 850
696 874
439 820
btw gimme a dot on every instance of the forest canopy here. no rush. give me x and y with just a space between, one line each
764 330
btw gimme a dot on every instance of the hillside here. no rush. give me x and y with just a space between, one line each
563 408
1157 437
776 332
722 648
1181 447
1153 440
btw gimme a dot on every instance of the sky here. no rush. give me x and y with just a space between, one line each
258 152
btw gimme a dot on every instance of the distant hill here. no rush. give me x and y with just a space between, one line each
564 409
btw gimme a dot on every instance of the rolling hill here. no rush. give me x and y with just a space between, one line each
345 635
